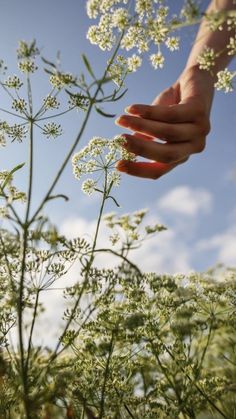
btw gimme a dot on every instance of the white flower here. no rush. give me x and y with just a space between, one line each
120 18
134 62
157 60
232 46
206 59
88 186
225 80
172 43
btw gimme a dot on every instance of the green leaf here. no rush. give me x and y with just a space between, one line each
88 66
115 98
114 200
48 62
107 115
58 196
48 71
18 167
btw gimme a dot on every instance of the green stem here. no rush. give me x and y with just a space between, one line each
88 267
12 113
32 329
20 307
106 377
57 114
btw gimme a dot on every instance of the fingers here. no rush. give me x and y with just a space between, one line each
163 153
145 169
171 132
173 113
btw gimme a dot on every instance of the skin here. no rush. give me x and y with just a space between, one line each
180 115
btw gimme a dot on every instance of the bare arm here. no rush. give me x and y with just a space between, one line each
180 115
213 39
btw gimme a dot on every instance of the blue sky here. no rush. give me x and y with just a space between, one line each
196 200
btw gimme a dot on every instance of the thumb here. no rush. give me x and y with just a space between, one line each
170 96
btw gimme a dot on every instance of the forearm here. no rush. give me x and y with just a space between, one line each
217 40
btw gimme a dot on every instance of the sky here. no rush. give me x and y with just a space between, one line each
196 201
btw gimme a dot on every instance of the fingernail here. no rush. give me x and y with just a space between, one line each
132 109
121 166
121 121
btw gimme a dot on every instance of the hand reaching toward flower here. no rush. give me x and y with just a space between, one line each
180 116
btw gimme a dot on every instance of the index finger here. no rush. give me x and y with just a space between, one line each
181 112
148 170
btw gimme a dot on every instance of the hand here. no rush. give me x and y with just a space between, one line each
179 116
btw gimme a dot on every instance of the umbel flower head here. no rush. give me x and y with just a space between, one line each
97 158
145 23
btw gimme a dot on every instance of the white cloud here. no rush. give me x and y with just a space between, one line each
186 201
224 244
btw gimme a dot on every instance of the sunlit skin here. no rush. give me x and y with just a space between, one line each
180 115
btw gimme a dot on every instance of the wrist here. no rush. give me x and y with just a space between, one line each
197 83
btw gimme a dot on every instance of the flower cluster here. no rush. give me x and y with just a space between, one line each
27 66
78 101
146 24
59 80
13 82
225 80
9 191
19 105
100 156
14 132
128 227
27 50
232 46
52 130
51 102
206 59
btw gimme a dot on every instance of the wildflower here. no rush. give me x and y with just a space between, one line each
114 238
50 102
225 80
232 46
78 101
27 50
120 18
134 62
59 80
19 105
114 178
52 130
15 195
206 59
157 60
17 132
172 43
27 66
13 82
100 155
88 186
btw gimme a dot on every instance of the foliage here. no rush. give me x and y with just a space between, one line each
132 344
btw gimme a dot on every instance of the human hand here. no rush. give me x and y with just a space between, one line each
179 116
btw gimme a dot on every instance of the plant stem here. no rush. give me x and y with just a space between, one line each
20 304
88 267
106 376
32 329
